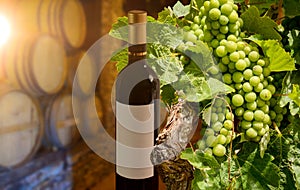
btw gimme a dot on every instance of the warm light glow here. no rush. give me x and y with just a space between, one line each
4 30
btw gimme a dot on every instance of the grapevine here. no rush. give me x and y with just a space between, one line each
239 61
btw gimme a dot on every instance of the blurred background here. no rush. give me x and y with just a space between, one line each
41 44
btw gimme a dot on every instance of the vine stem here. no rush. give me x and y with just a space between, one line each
280 12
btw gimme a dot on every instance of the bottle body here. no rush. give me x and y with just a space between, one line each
137 119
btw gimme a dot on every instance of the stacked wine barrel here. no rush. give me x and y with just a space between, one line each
37 69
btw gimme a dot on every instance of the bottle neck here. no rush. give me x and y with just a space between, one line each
136 53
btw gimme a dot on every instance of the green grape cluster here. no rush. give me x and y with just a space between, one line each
279 115
221 132
241 64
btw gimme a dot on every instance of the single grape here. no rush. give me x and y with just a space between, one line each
257 70
259 115
247 50
265 108
217 126
247 87
221 51
226 9
221 139
254 81
229 116
271 88
228 124
224 131
248 74
233 17
259 87
272 114
261 62
215 32
238 86
227 78
237 100
251 133
225 60
211 141
223 20
232 38
197 19
215 25
239 111
234 56
261 132
253 56
233 28
231 46
265 94
214 14
237 77
240 65
250 96
241 45
219 150
242 54
214 4
190 36
248 115
257 125
209 132
224 29
195 26
251 106
260 102
223 68
246 124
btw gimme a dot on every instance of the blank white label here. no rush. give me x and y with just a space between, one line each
135 140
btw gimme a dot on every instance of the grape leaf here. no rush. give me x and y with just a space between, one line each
181 10
217 87
203 181
292 7
280 60
121 59
194 88
199 160
295 94
166 16
119 29
265 26
257 173
168 94
166 66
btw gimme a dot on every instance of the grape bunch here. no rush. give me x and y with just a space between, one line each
221 133
242 67
280 115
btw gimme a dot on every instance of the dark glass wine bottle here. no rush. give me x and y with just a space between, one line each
137 112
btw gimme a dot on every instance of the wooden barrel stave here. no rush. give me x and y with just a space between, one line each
21 127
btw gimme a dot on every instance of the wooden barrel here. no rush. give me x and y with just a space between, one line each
83 66
21 127
37 65
60 126
63 18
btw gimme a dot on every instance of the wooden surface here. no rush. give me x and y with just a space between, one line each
108 183
21 128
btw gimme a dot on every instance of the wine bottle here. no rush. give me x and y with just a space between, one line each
137 112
